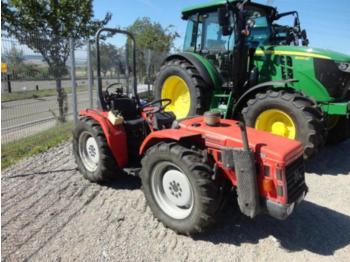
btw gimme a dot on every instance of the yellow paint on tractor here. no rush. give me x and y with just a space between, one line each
291 53
176 89
276 122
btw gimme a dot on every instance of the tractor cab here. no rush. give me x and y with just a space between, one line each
228 33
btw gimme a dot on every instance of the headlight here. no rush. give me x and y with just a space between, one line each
345 67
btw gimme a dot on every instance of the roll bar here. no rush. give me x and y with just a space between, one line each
101 100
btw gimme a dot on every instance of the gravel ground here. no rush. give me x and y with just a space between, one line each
50 213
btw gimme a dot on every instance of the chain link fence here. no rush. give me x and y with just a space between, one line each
30 104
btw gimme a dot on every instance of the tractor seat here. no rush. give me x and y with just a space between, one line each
163 120
126 107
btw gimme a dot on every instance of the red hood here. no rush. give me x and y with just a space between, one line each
228 134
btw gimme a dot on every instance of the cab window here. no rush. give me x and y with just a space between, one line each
212 38
204 33
191 32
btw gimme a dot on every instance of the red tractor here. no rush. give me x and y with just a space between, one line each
185 166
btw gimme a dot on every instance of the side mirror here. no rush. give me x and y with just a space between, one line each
224 21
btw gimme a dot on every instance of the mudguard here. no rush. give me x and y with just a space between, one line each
243 162
206 70
258 88
115 135
167 135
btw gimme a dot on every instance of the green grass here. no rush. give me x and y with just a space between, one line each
35 144
21 95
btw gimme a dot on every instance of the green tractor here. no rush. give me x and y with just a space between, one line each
239 61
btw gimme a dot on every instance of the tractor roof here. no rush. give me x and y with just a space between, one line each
214 4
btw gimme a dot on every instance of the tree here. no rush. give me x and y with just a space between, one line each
111 59
151 36
46 25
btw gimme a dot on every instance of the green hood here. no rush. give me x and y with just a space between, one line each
303 51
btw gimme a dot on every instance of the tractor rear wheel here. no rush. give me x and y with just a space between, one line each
92 155
180 82
289 114
178 187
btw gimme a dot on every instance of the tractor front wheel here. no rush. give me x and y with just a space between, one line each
93 157
288 114
178 187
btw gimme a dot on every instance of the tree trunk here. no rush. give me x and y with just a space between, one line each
62 101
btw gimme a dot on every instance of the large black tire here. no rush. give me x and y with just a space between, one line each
157 164
340 131
306 115
101 166
199 91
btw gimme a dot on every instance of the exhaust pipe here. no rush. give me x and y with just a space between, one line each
244 134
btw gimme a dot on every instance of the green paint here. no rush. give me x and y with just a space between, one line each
270 68
213 73
270 61
306 52
269 64
275 63
336 108
210 4
221 102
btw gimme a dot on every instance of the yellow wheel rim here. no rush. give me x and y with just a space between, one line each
276 122
176 89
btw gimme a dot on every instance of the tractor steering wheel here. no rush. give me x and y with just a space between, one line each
154 110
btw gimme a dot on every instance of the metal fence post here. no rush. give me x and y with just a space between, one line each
148 67
127 67
89 65
74 87
8 80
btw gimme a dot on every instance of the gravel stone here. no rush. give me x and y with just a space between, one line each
50 213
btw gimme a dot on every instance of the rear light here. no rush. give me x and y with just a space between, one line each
268 186
279 173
